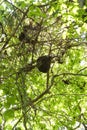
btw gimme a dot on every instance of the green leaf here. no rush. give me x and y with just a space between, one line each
8 114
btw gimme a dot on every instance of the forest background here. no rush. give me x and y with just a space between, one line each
29 98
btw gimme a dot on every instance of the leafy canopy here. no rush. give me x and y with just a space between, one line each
30 99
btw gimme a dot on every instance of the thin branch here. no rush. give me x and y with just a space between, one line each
82 69
15 6
72 74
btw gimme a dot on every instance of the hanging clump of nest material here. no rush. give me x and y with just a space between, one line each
43 63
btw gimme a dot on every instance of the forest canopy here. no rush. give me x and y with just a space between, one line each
43 65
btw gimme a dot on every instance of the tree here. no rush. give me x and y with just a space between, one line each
30 99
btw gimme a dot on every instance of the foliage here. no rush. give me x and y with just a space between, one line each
30 99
